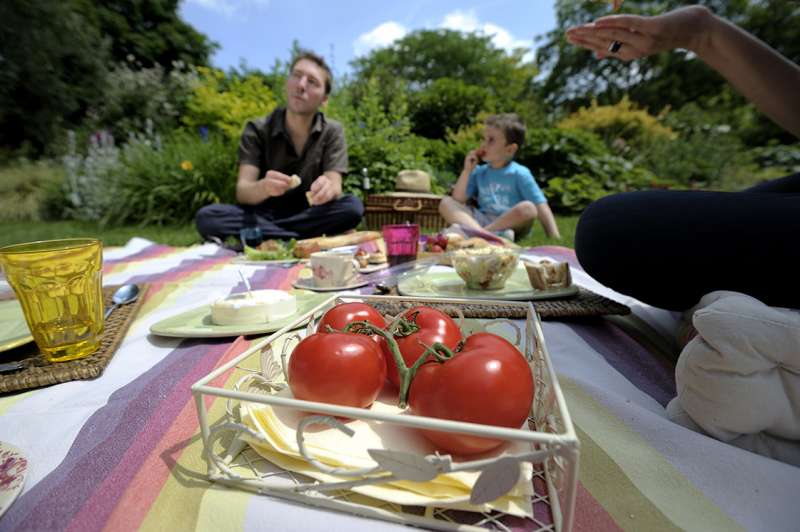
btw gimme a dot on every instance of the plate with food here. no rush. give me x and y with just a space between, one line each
268 251
370 262
487 274
256 312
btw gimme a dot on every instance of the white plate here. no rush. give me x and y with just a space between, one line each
308 284
374 267
13 469
242 259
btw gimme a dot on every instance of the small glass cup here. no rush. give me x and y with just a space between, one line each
251 236
59 285
401 241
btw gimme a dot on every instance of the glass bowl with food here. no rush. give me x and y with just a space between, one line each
486 268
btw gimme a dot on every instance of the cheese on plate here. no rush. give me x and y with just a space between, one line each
258 306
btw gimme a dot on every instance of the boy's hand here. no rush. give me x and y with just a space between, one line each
471 160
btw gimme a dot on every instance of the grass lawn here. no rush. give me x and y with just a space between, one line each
16 232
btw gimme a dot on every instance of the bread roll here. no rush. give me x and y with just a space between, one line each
546 275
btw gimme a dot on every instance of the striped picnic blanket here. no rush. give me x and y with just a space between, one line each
123 451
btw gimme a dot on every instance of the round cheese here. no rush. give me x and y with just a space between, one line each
258 306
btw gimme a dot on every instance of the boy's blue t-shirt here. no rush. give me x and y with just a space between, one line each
499 189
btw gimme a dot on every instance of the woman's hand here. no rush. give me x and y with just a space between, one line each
642 36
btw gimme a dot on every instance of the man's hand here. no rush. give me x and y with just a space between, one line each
323 190
275 183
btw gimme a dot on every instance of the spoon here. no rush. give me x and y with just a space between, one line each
125 294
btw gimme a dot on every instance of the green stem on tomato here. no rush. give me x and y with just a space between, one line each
404 325
406 373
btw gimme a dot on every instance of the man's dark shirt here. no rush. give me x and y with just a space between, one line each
266 144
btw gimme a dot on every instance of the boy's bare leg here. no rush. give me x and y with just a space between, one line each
517 217
548 220
522 215
455 212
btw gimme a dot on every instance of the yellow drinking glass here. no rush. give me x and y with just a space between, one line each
59 285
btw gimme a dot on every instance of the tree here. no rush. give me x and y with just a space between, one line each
436 68
150 31
52 66
675 78
446 104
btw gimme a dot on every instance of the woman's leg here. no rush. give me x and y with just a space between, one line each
669 248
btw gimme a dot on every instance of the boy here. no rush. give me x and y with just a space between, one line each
509 200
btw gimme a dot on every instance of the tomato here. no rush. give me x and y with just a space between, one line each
341 315
338 368
431 326
487 382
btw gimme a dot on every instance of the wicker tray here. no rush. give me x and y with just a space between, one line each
256 379
38 372
585 303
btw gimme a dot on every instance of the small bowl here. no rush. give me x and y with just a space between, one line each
485 268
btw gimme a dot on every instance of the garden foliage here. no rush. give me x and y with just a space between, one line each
223 104
155 139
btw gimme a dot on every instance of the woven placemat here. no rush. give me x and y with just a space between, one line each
39 372
584 303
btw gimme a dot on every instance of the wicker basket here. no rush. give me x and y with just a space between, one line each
401 207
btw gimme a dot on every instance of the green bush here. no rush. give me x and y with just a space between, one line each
624 128
166 184
27 189
574 168
137 99
378 136
781 157
446 104
705 152
224 104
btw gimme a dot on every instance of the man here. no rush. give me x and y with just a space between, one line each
294 141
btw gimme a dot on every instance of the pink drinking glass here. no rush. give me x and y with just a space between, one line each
401 242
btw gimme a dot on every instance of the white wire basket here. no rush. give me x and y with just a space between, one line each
548 460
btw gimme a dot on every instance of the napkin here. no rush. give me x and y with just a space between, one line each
277 426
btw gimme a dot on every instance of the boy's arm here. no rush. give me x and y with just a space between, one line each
548 220
460 188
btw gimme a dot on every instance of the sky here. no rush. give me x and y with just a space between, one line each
257 32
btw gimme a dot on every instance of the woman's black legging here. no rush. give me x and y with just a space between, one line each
668 248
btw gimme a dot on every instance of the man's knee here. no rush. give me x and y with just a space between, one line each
210 219
206 220
351 208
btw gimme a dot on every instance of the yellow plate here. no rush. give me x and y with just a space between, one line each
14 330
196 323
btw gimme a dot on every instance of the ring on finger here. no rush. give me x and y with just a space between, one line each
614 47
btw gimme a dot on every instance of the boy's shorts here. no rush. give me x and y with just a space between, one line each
481 217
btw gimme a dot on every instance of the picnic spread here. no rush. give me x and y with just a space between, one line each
125 449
